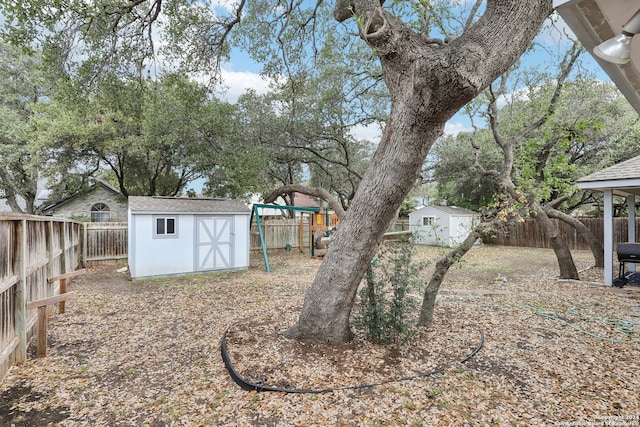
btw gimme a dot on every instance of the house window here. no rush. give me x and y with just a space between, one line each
428 221
100 213
166 227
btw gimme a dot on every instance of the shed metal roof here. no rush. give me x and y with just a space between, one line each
451 210
155 204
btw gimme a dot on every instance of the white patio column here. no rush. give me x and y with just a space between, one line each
608 236
631 236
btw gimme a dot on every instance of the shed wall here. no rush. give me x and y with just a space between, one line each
435 235
448 229
461 227
149 256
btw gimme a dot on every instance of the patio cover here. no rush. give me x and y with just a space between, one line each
622 180
593 22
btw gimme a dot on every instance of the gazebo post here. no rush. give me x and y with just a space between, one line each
631 236
623 180
608 236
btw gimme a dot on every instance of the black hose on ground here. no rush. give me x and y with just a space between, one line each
249 386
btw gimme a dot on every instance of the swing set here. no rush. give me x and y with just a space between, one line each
317 221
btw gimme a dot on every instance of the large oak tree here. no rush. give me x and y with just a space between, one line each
428 81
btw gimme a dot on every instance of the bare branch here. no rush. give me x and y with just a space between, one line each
568 62
472 14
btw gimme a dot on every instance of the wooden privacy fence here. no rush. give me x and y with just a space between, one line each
32 249
282 234
530 234
103 242
399 225
291 233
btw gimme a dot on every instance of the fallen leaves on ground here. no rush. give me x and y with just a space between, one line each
148 353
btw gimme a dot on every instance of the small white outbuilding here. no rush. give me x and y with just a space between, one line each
441 225
175 236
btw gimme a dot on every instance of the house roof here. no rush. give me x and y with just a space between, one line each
96 183
623 178
185 205
304 201
595 21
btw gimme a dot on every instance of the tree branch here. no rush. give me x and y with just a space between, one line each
568 62
320 193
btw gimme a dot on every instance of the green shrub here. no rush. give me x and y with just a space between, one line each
385 301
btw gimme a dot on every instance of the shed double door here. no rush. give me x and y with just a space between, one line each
214 241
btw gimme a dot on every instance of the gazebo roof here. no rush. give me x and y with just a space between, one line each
623 179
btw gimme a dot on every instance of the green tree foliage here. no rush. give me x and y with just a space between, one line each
592 127
152 137
457 180
321 91
428 79
23 87
290 135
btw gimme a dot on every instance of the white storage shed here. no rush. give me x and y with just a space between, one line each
441 225
173 236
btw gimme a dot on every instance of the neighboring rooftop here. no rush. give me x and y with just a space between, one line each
96 182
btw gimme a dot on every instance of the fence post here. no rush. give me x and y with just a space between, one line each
63 290
51 289
66 228
21 293
83 254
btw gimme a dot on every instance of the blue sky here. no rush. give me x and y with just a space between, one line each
241 73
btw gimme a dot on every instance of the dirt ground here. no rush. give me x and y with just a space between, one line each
147 353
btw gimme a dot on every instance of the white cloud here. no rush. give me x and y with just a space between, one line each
237 82
371 132
455 128
228 5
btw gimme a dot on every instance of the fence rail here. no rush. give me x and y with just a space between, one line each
32 249
530 233
295 233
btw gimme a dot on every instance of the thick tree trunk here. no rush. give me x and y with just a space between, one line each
427 84
594 244
10 192
565 261
442 267
327 305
